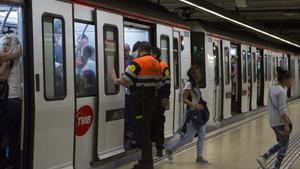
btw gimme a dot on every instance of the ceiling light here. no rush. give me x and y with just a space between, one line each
238 22
241 3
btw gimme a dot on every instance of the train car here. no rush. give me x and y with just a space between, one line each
215 50
71 113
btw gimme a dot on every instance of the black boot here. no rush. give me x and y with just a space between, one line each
159 153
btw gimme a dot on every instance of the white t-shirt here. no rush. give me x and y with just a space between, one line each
90 65
195 93
277 105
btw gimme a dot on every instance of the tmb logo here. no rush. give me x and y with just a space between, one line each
84 120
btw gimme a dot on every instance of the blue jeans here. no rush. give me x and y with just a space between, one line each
281 147
188 137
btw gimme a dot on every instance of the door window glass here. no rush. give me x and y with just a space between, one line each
266 67
254 66
85 56
176 62
111 58
54 57
165 48
249 67
269 68
274 67
227 66
198 54
299 68
216 55
244 66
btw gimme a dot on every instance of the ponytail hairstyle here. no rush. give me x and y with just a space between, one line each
190 74
283 74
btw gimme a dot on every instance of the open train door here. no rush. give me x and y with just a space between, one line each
165 43
216 112
244 79
54 84
254 79
111 97
226 61
177 48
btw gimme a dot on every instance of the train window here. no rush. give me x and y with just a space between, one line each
249 67
111 57
274 67
254 66
293 68
216 55
198 54
266 67
244 57
299 68
176 62
54 57
134 34
85 57
269 68
165 48
227 66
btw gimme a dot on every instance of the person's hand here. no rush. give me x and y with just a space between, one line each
287 129
18 51
199 107
166 103
113 75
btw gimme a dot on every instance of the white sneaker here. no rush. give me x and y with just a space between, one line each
169 153
262 162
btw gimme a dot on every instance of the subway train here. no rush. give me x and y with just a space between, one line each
73 114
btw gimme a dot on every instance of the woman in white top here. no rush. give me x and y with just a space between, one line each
278 118
191 95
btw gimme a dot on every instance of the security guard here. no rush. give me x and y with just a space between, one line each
143 76
162 103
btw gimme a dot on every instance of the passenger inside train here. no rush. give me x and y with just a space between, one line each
85 60
10 103
11 76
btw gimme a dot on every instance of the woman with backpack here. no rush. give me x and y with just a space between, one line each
279 120
191 96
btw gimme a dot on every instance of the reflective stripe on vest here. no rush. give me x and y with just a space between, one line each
166 79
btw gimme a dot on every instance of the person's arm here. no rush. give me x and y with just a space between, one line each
233 73
128 77
185 97
282 105
165 90
10 55
121 81
118 81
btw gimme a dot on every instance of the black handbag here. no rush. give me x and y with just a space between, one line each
199 118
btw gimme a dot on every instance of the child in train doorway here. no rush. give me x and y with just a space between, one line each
278 117
191 96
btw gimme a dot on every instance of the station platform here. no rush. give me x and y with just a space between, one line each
239 147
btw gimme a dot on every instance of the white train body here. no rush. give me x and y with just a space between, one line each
63 128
